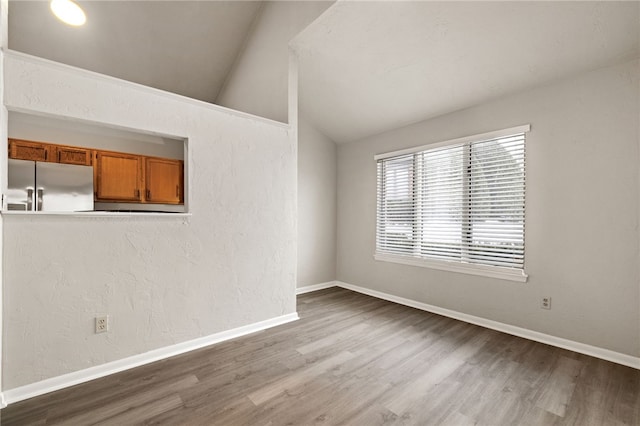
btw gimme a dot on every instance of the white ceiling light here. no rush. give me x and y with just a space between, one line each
68 12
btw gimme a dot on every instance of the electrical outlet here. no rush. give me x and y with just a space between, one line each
102 324
545 303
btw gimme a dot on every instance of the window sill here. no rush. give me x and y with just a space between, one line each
464 268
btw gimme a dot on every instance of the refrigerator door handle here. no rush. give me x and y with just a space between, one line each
29 199
40 195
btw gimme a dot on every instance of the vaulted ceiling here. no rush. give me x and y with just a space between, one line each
365 67
185 47
369 67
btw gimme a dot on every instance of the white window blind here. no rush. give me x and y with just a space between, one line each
460 201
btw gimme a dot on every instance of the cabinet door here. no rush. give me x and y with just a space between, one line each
73 155
34 151
163 180
118 177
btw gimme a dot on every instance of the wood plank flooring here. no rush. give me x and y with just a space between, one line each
355 360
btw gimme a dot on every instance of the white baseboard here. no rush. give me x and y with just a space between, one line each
571 345
315 287
55 383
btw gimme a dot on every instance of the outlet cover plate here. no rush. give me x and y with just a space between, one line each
102 324
545 303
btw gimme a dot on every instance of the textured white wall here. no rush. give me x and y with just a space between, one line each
316 206
258 81
163 280
4 6
258 84
47 129
582 241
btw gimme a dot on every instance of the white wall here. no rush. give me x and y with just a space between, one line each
582 241
258 84
4 6
165 279
316 206
47 129
258 81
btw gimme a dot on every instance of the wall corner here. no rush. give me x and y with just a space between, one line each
4 44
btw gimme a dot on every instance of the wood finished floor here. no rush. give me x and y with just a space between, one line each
354 360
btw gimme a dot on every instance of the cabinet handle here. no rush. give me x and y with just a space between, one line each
46 155
148 194
136 193
59 156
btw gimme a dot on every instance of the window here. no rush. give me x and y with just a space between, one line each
456 205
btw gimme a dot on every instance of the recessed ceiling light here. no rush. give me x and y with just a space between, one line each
68 12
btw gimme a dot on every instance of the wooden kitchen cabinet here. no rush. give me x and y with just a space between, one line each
29 150
118 177
52 153
163 181
73 155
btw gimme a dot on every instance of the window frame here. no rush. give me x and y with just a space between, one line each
492 271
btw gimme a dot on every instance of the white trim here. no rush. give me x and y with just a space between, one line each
93 214
464 268
55 383
594 351
12 54
3 402
458 141
315 287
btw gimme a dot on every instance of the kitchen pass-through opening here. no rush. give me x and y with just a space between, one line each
59 165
